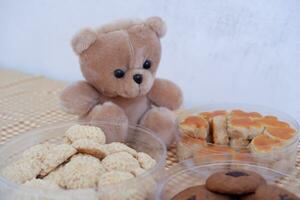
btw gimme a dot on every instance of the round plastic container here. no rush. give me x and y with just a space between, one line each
283 158
141 187
188 174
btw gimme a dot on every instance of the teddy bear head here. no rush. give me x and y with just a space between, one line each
121 59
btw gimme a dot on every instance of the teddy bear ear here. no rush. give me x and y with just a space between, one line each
83 40
157 25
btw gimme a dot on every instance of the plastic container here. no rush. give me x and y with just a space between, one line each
188 174
283 158
138 138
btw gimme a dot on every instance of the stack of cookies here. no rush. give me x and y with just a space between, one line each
232 132
84 160
235 185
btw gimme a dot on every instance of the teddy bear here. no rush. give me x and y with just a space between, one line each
119 62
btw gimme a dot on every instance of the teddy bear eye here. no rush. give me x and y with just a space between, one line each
147 64
119 73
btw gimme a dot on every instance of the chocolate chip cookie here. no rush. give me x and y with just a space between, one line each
234 182
248 197
198 193
272 192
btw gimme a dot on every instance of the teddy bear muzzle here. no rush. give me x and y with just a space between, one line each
138 78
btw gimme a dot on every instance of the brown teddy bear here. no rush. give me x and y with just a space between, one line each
119 62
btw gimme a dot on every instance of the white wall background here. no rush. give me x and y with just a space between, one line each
216 50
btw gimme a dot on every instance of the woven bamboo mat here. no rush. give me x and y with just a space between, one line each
28 102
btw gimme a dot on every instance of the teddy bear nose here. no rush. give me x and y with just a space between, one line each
138 78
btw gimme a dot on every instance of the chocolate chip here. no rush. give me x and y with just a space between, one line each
192 198
236 174
285 197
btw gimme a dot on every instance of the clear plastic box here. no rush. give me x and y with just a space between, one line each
282 159
138 138
188 174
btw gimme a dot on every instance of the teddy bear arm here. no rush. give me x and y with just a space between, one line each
166 93
79 98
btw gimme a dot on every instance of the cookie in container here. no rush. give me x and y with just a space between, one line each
227 180
238 132
74 161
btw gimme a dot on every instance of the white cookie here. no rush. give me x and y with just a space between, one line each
55 176
121 161
116 147
145 160
138 171
82 171
22 170
56 156
41 184
113 177
88 146
38 152
77 132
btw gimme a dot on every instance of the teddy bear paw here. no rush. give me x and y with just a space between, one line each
112 119
162 122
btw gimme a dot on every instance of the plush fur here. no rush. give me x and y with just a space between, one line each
124 45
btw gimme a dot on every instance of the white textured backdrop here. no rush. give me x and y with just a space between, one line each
216 50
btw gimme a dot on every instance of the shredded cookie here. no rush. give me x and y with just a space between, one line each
145 160
56 156
41 184
22 170
38 152
55 176
77 132
88 146
113 177
116 147
76 165
82 171
121 161
138 171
